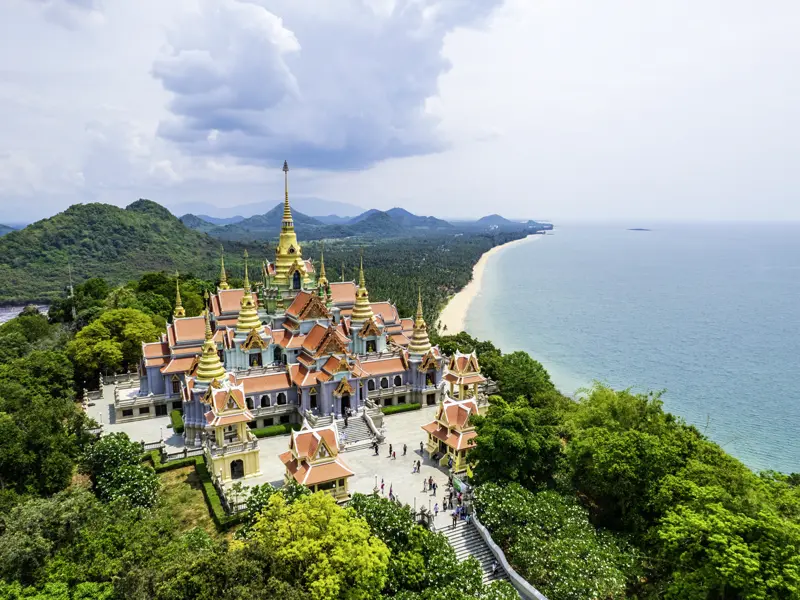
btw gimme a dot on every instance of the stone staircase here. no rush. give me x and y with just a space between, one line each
466 541
359 434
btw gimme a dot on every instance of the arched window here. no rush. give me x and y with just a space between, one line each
370 385
264 401
384 382
276 354
249 403
296 280
398 380
312 399
281 398
176 384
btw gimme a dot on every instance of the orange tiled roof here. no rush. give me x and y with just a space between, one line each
386 311
225 420
230 300
400 339
298 303
456 440
343 292
407 324
179 365
270 382
186 350
383 366
158 361
314 337
189 329
154 349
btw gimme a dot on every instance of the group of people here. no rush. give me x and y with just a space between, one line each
459 513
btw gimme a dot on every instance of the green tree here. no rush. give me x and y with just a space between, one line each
114 462
518 374
323 547
517 443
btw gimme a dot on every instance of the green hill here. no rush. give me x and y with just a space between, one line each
101 240
5 229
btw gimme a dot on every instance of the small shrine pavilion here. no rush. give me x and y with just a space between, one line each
313 460
450 434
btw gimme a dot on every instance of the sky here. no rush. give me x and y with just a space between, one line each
549 109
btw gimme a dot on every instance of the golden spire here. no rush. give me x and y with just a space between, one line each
209 368
323 280
342 271
223 278
248 314
179 311
288 223
420 343
246 278
362 310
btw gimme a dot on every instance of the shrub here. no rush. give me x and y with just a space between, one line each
390 410
114 462
177 421
275 430
221 520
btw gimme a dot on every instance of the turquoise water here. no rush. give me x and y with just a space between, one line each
711 313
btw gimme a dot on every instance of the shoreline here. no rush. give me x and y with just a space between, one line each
454 314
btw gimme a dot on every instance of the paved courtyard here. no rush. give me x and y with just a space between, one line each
401 428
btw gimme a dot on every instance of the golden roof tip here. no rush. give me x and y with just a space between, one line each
223 278
246 277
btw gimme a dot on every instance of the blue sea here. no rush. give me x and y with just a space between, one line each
708 312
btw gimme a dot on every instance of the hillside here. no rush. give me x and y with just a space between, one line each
4 229
305 204
99 239
495 222
222 220
407 219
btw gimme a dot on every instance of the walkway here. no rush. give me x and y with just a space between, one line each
466 541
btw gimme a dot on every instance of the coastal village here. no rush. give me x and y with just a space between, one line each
317 360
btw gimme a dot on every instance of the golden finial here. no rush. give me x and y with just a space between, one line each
287 223
179 310
209 368
420 343
419 302
361 281
208 325
342 271
362 310
223 278
246 278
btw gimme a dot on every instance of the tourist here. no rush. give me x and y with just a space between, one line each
420 449
455 519
405 448
376 448
345 420
436 510
430 482
381 486
424 485
394 455
390 450
419 466
494 567
391 492
435 486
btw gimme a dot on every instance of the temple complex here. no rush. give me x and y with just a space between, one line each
288 348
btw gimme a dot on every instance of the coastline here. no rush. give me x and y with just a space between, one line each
454 314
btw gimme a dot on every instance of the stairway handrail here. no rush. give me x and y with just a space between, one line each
524 589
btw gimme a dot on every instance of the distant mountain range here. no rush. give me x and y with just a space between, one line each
226 215
4 229
396 222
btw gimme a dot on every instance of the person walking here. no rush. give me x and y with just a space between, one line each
455 519
405 448
435 485
345 420
394 455
391 492
424 485
381 486
420 448
390 450
436 510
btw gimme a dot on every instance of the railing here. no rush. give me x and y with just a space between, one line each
276 409
128 384
185 453
390 391
215 450
524 589
147 446
371 424
271 368
140 400
109 379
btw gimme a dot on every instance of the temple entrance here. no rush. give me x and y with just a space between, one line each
176 385
371 346
345 402
237 469
276 354
313 401
296 280
255 360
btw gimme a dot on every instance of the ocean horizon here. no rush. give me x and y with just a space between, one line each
708 312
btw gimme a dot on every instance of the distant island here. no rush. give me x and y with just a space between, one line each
639 229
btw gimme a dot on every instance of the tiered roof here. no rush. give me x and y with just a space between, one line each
451 424
313 456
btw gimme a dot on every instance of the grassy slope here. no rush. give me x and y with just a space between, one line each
100 240
182 494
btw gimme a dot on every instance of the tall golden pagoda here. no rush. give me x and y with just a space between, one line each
362 310
288 255
248 315
420 343
179 311
223 278
209 368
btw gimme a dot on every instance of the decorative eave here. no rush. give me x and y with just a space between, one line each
370 329
343 388
253 340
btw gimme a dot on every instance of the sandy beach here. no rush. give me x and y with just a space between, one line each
452 317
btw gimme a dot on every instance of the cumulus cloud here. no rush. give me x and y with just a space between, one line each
336 85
